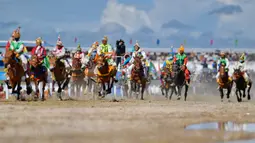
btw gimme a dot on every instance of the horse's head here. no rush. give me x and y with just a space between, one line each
34 61
76 63
222 70
101 61
138 64
8 57
175 69
52 61
237 73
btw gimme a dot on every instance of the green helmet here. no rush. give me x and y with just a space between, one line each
79 47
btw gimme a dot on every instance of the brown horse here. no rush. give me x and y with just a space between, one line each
225 82
16 72
90 65
38 74
105 74
59 73
167 83
77 74
241 85
138 79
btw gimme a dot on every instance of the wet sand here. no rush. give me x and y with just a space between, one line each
154 120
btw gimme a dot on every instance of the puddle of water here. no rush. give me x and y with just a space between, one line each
223 126
241 141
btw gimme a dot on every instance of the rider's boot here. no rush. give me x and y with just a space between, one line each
187 77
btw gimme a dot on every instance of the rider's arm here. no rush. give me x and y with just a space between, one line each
99 49
175 59
218 64
33 51
227 63
43 53
185 61
110 50
126 61
20 49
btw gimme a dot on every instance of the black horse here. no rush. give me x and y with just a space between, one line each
178 75
241 85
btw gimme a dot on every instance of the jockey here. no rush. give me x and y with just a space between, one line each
59 52
168 64
139 52
79 54
181 59
18 47
39 50
93 49
106 48
242 66
225 61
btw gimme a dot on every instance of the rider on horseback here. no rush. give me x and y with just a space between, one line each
79 54
222 61
18 47
181 59
40 52
140 53
167 64
59 52
106 48
242 66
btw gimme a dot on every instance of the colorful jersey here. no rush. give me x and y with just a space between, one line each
181 59
79 55
223 61
59 52
39 51
104 49
17 46
241 66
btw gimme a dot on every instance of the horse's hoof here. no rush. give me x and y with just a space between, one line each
221 100
43 99
229 100
142 98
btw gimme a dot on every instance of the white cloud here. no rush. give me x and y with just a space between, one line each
127 16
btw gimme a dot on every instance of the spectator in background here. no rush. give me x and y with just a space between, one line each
120 50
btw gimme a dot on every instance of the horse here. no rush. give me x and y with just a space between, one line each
138 78
105 74
224 82
241 85
178 74
167 83
38 74
77 74
89 75
15 73
59 73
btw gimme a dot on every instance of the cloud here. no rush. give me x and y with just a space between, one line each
127 16
227 10
175 24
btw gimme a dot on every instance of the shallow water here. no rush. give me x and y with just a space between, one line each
223 126
241 141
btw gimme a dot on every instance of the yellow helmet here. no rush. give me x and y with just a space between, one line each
16 33
38 40
105 38
181 48
242 57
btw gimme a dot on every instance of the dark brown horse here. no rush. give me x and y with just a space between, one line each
241 85
38 74
167 83
15 73
59 73
138 79
225 82
105 74
77 74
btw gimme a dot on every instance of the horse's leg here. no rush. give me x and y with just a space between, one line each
244 93
228 93
59 90
137 91
179 92
240 97
53 85
43 88
143 88
221 94
18 90
28 86
186 92
37 91
66 83
172 92
248 91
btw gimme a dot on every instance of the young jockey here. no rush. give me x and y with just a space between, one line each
222 61
106 48
40 52
79 54
168 64
181 59
139 52
242 66
59 52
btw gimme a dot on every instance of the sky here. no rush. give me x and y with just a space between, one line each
145 21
